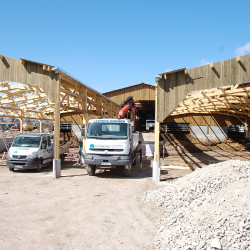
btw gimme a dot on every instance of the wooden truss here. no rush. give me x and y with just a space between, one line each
31 102
25 101
233 100
75 98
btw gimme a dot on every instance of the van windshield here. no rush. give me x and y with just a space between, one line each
107 130
25 141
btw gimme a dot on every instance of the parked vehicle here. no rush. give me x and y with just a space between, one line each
110 143
32 151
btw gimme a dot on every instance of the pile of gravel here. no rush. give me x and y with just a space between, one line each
207 209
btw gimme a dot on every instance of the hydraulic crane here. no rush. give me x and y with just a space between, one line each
128 104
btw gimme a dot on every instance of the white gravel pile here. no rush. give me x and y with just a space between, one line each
207 209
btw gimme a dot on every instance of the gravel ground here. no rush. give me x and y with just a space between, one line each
207 209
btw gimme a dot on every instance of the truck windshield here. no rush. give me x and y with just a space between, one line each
107 130
25 141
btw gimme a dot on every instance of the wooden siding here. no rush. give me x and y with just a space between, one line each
177 85
140 92
12 70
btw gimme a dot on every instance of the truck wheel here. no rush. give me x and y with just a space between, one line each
127 171
90 169
11 169
40 166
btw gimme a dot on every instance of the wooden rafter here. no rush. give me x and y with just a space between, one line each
230 100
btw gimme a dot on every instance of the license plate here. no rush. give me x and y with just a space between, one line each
105 163
18 166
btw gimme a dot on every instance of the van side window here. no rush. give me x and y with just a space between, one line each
49 141
44 142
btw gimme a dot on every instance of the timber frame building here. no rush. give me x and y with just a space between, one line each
218 91
45 92
217 94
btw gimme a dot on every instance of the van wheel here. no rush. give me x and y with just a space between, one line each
127 171
40 167
90 169
11 169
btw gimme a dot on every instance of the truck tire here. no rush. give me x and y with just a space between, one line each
40 166
62 156
90 169
127 171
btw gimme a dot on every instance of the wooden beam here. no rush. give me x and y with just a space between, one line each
211 65
238 58
22 62
1 57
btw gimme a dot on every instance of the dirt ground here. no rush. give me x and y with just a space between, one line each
78 211
75 211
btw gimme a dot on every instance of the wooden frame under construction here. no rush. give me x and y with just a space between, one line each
222 88
43 92
217 88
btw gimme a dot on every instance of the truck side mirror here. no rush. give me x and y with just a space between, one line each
9 144
83 132
132 129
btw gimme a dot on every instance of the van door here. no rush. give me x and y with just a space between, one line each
46 149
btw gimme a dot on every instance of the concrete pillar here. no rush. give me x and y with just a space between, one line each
56 168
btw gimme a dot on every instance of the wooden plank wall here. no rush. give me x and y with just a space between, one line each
173 90
12 70
139 92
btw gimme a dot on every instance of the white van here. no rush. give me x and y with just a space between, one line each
30 151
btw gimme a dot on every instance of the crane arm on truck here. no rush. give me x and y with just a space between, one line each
128 104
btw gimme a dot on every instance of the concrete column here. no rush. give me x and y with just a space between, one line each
56 168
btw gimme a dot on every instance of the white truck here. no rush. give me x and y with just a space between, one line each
32 151
110 143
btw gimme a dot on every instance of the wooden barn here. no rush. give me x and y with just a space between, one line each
144 97
208 98
31 90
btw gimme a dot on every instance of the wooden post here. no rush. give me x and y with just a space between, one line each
57 160
156 163
246 128
41 126
21 124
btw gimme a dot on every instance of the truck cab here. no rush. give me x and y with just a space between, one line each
110 143
30 151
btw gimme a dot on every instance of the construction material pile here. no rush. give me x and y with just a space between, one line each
207 209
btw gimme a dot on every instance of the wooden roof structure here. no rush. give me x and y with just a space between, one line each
33 97
45 92
217 88
222 88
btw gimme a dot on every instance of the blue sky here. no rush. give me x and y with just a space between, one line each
112 44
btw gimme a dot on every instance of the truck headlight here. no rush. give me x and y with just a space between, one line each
88 156
124 157
33 155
